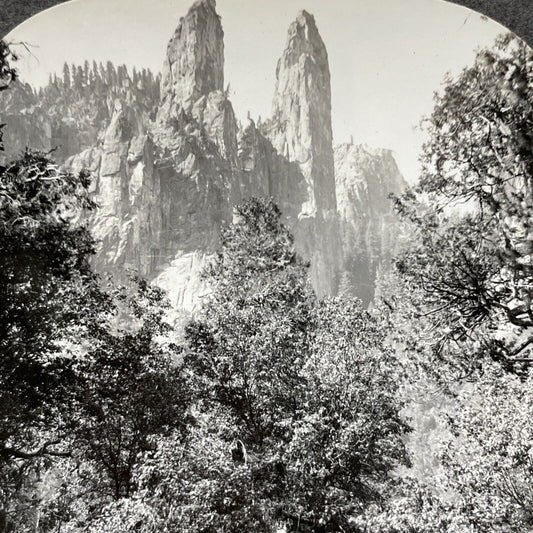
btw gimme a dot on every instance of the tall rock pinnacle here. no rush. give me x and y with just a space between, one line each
194 63
300 131
166 184
302 112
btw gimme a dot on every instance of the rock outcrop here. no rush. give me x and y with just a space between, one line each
195 132
301 112
194 64
26 124
300 131
170 161
370 231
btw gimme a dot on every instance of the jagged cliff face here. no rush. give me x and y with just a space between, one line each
301 112
194 65
71 114
165 186
370 231
265 172
300 131
249 162
169 171
128 223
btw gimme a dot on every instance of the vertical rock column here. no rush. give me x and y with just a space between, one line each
194 63
195 134
301 132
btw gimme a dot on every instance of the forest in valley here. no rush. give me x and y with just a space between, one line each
275 410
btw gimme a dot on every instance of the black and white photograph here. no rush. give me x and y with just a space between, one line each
265 267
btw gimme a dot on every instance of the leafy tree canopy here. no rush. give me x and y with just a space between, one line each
306 389
48 292
48 300
7 73
248 348
473 210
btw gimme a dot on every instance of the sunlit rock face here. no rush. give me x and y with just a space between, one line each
194 64
169 161
128 222
167 183
370 231
300 131
301 112
212 164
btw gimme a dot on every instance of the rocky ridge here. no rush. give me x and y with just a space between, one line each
71 113
168 173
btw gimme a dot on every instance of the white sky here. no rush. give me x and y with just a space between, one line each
387 57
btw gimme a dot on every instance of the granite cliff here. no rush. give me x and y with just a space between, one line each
170 160
370 231
301 130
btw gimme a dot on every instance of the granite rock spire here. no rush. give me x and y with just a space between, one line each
301 132
194 63
301 111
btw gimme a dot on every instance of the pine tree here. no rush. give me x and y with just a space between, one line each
66 77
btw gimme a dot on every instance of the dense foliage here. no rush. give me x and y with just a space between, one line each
285 413
296 382
484 479
131 389
249 346
473 209
461 307
88 374
296 419
276 411
47 293
488 458
7 72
